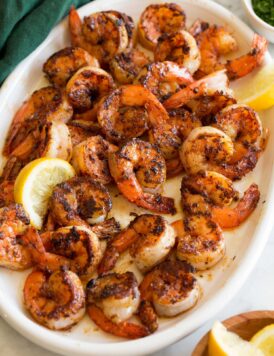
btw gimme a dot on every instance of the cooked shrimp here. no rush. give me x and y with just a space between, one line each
87 86
57 301
6 193
127 65
127 111
169 289
149 239
213 85
158 19
102 34
13 224
63 64
81 130
183 122
48 104
90 157
208 148
200 241
11 169
78 245
80 201
139 171
112 300
179 47
164 78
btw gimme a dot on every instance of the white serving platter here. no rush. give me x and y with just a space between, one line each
244 245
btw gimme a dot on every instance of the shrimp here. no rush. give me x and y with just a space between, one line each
60 66
102 34
127 65
112 299
87 86
168 290
13 224
208 148
139 171
80 201
6 193
48 103
183 122
81 130
164 78
158 19
10 171
90 157
213 85
149 239
179 47
56 301
127 111
200 241
75 247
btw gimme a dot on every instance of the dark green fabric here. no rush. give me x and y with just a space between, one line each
24 24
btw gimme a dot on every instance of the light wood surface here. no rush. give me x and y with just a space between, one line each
245 325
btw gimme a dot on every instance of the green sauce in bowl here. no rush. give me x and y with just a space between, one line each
265 10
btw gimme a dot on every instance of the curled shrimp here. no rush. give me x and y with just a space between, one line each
164 78
76 248
45 104
149 239
139 171
56 301
158 19
102 34
168 290
127 65
200 241
80 201
112 299
90 157
6 193
13 224
179 47
126 112
81 130
87 86
60 66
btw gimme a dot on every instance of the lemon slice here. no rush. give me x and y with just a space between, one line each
258 92
264 340
34 184
225 343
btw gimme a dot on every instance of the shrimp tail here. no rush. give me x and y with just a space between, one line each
229 218
109 260
123 329
148 316
106 229
75 27
157 203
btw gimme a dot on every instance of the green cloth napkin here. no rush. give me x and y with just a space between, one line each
24 24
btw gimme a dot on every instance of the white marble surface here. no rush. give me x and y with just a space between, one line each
257 292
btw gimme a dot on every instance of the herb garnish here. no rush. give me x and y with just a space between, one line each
265 10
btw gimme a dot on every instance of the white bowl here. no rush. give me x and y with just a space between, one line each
259 25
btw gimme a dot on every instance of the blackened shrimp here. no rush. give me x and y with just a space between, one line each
200 241
139 171
179 47
13 224
63 64
164 78
112 299
56 301
90 157
127 112
87 86
158 19
80 201
127 65
102 34
81 130
6 192
168 290
149 239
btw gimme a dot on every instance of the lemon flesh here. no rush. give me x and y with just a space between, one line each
258 92
34 185
225 343
264 340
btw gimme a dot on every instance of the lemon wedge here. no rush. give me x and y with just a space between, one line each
34 184
264 340
258 92
225 343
